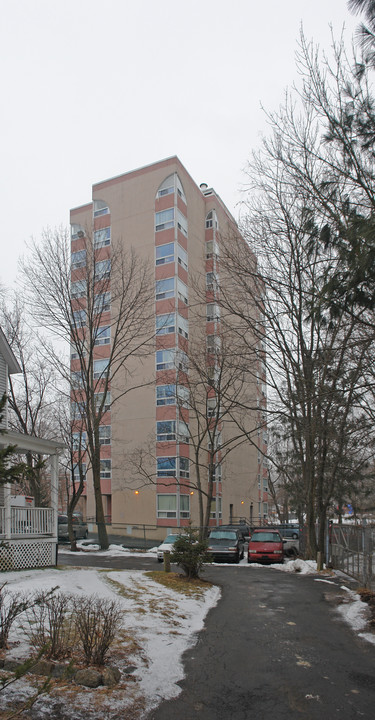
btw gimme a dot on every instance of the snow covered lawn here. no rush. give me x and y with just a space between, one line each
159 624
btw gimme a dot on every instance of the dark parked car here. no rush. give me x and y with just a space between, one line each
79 528
242 528
226 545
266 546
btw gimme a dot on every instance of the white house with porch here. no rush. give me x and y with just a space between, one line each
28 535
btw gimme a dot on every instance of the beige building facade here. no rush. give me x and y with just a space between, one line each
148 460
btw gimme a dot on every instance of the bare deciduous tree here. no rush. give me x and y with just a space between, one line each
72 303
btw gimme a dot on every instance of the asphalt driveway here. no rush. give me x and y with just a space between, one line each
275 648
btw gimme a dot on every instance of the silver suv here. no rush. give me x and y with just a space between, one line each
80 528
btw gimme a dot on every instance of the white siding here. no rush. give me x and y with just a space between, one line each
3 385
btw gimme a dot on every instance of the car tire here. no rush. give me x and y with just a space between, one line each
237 558
160 559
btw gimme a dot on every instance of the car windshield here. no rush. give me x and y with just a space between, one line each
223 535
169 539
62 519
265 537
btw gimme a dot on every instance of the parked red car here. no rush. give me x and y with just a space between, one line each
265 546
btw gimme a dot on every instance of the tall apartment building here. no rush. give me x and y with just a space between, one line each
175 225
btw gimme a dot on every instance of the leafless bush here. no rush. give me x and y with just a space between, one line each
12 604
50 624
96 621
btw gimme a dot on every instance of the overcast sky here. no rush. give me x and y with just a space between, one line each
93 89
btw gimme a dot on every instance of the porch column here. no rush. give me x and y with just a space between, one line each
8 522
54 464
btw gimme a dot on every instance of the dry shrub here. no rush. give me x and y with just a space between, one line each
12 604
51 624
96 621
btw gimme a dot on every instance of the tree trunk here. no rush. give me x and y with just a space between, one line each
100 519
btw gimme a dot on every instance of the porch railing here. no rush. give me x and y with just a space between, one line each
27 522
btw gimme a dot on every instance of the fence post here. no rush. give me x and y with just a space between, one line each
364 551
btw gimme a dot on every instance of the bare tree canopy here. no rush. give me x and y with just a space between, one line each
71 301
307 183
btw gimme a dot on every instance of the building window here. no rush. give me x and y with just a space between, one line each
101 368
265 485
78 288
211 407
78 259
265 509
183 326
167 506
164 219
184 506
216 474
213 312
167 187
104 434
183 467
98 397
100 208
213 375
79 441
165 288
77 411
165 359
183 431
77 378
212 249
182 361
77 231
79 318
182 291
211 220
164 253
182 257
165 191
102 237
165 324
165 430
183 395
165 394
76 473
166 466
102 269
102 303
105 469
213 508
213 343
211 281
182 223
103 335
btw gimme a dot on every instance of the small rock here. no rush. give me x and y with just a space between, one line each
89 677
11 664
130 669
42 667
111 676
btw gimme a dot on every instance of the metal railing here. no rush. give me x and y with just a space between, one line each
28 522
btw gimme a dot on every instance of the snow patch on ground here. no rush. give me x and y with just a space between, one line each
162 621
